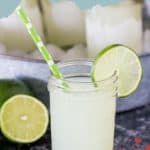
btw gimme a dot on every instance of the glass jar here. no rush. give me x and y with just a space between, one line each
83 118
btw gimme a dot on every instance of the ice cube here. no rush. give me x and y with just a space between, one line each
65 23
77 52
2 49
56 52
13 33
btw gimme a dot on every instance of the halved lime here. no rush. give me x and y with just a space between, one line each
23 119
125 61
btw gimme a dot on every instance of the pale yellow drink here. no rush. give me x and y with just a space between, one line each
84 117
120 23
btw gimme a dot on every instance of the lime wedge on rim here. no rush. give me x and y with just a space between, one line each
125 61
23 119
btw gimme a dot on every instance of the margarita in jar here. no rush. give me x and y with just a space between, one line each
83 118
120 23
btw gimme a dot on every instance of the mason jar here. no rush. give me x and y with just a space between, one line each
83 117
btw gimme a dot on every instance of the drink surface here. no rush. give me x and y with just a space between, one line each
82 119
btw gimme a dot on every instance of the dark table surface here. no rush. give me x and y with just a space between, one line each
132 133
133 130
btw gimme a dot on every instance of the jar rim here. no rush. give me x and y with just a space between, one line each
85 62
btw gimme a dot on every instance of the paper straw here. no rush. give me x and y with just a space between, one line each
39 43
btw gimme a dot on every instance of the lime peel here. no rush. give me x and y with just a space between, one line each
23 124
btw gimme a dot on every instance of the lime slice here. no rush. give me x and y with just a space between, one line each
125 61
9 88
23 119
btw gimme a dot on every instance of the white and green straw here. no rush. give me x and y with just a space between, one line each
39 43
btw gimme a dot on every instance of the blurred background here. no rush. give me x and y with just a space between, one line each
68 33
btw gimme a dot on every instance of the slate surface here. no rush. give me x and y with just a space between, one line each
133 130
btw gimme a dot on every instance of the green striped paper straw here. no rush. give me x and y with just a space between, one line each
39 43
